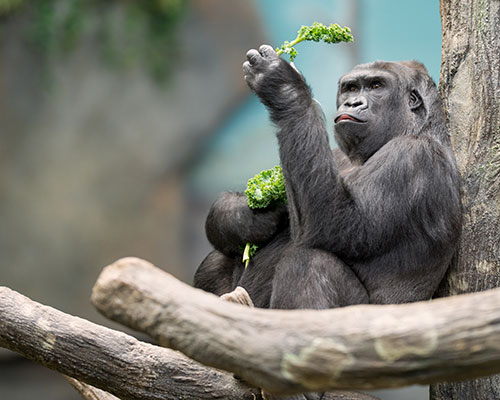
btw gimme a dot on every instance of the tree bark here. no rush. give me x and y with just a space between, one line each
89 392
359 347
107 359
470 89
115 362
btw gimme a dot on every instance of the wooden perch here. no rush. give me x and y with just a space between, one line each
107 359
113 361
88 392
359 347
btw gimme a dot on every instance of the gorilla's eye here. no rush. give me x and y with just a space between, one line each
375 85
352 88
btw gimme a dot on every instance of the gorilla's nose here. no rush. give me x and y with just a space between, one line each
357 102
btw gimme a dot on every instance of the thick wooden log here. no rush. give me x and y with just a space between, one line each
108 359
94 357
359 347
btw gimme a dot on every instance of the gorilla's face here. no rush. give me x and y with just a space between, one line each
370 111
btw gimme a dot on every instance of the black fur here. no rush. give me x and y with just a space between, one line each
375 221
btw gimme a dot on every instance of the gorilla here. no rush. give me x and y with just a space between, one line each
375 221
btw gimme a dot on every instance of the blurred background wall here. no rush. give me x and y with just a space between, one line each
120 122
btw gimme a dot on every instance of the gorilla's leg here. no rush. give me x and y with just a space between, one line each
314 279
218 273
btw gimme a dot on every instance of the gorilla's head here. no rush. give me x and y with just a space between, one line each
379 101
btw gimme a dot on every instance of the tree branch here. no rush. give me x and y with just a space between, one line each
359 347
107 359
89 392
113 361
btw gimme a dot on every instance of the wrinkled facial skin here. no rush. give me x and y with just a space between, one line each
370 111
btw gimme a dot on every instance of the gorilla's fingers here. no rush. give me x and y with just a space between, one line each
267 51
247 68
249 75
253 57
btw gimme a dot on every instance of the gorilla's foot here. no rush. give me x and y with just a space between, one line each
238 295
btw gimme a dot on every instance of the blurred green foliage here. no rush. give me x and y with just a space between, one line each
127 32
8 5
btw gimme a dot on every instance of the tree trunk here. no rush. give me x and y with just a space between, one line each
470 88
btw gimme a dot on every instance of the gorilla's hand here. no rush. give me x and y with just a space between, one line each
260 66
279 85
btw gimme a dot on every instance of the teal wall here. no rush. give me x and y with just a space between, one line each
383 29
401 30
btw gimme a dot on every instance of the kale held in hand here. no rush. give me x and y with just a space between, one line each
317 32
264 189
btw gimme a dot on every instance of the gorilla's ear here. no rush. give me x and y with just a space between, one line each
415 100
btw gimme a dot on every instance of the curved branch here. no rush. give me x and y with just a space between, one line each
107 359
359 347
88 392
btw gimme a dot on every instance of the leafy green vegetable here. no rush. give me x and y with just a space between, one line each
265 188
317 32
249 252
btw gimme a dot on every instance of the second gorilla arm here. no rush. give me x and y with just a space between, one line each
231 224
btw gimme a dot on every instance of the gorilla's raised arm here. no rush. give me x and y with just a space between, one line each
306 158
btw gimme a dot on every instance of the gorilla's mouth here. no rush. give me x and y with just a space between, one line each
346 117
